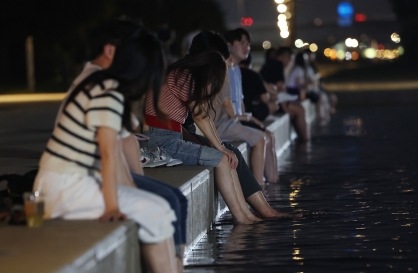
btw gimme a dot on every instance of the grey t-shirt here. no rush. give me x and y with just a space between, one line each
221 114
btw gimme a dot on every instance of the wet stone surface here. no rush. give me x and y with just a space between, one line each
356 184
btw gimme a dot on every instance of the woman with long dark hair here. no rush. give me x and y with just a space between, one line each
205 41
81 175
192 85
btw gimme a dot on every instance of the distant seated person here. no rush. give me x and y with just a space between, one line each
273 76
302 83
297 83
256 98
314 78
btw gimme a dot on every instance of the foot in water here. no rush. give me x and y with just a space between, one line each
243 220
283 215
254 218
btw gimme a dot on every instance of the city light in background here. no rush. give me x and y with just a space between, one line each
354 48
283 17
351 42
395 37
313 47
247 21
266 45
350 48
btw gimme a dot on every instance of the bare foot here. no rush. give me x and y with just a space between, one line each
254 218
277 214
277 180
244 221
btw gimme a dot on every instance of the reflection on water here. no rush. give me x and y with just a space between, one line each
353 126
358 195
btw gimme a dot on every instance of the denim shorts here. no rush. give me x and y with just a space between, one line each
190 153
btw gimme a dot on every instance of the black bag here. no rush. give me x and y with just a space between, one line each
11 197
17 185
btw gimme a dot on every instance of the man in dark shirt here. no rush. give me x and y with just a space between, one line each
256 97
273 70
272 73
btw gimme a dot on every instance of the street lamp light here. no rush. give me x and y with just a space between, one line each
282 8
285 9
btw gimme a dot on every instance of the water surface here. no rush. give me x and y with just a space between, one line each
356 184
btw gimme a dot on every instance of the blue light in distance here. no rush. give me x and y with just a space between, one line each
345 10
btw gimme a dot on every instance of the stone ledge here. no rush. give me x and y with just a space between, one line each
70 247
89 246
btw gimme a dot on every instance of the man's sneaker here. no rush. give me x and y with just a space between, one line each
162 155
148 160
282 97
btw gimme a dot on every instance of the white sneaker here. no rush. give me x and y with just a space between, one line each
162 155
282 97
148 160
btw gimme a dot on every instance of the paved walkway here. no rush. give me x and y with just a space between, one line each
24 131
357 186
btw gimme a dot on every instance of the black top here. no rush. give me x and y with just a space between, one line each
252 87
189 124
272 71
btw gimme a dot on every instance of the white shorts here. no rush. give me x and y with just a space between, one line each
77 196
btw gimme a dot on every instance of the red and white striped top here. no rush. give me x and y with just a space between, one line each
173 98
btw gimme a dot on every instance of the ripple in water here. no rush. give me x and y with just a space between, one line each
356 184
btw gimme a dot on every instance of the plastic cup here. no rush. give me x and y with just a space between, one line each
34 209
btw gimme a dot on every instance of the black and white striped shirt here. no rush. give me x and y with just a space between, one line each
73 148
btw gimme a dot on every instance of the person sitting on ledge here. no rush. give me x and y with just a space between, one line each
256 98
272 73
83 174
102 48
205 41
192 84
232 103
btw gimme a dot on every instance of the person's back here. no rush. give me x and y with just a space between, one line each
81 174
73 146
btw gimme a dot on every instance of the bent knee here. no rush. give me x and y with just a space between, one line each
262 141
224 161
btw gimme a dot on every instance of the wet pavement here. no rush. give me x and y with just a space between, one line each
356 184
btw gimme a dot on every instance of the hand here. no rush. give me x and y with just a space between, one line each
232 158
258 122
112 215
274 96
302 94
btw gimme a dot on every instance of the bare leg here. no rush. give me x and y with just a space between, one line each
297 117
333 100
259 203
226 187
273 107
258 157
241 198
322 110
270 169
160 257
180 260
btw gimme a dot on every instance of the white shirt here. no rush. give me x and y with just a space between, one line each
296 77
